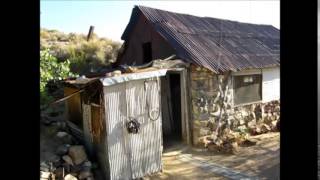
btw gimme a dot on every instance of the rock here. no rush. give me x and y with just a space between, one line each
59 173
87 164
55 160
44 167
274 125
67 167
85 174
204 141
204 131
62 134
199 123
65 137
234 148
62 149
212 125
278 125
258 130
213 147
77 154
204 116
241 122
45 175
76 168
218 142
70 177
252 124
248 142
67 159
242 128
265 128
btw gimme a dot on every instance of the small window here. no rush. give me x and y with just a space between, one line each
247 89
147 52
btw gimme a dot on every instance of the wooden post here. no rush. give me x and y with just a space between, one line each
90 33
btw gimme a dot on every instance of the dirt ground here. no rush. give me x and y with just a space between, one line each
260 161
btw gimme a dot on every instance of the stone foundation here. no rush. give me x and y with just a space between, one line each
252 119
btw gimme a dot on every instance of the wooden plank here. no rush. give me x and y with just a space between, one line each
189 107
73 106
87 128
187 104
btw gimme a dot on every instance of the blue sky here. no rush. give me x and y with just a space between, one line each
111 17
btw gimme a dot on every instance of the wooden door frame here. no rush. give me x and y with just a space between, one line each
184 92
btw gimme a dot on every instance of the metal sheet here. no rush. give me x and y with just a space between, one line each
133 155
217 44
132 76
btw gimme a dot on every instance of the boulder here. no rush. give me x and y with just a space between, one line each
87 164
85 174
67 159
265 128
55 159
65 138
62 149
77 154
44 167
70 177
45 175
62 134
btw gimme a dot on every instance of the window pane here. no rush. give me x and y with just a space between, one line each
247 89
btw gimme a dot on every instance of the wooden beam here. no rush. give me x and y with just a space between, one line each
90 33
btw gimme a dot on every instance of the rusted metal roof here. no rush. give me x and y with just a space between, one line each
217 44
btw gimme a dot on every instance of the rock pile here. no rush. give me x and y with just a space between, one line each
70 162
67 159
243 122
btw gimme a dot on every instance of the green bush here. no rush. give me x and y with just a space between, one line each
51 69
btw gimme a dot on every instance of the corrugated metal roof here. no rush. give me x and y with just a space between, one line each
217 44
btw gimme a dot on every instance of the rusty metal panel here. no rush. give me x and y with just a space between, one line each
115 116
133 155
217 44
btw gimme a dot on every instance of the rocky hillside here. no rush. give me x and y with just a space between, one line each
85 56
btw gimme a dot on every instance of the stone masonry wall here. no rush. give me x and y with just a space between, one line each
206 108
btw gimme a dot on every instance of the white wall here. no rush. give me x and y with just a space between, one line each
270 84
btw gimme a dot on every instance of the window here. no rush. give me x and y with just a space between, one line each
247 88
147 52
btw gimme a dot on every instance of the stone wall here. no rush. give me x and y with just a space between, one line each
209 105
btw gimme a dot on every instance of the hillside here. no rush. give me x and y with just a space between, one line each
85 56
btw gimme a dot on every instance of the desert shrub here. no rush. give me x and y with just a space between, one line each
84 56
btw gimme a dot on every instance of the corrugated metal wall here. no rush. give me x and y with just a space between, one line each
133 155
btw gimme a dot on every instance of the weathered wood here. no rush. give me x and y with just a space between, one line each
90 33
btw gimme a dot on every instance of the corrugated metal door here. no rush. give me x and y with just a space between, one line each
133 155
